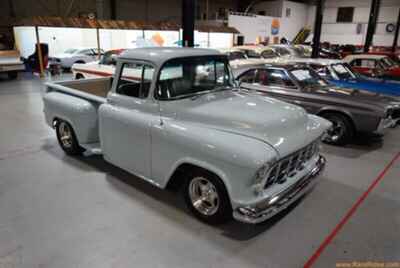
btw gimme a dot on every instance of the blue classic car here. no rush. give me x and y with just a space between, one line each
341 74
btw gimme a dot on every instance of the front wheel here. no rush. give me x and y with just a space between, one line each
67 139
341 132
207 198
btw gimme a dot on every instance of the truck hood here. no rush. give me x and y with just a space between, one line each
285 127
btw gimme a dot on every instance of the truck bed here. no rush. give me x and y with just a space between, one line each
90 89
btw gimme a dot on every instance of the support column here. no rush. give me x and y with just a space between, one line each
113 9
396 34
317 28
98 42
39 50
188 14
373 18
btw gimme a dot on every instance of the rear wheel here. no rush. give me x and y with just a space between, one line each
207 198
341 132
67 138
79 76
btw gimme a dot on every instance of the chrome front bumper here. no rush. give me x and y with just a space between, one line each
272 205
387 123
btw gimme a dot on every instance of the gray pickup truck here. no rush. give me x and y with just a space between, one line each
174 117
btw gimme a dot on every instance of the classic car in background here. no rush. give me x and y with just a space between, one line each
75 55
10 63
239 58
395 56
350 111
285 51
342 75
374 65
258 52
103 68
174 117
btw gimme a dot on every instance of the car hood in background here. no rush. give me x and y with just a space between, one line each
356 97
284 126
371 84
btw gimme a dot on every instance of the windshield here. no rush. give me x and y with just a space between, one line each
70 51
307 78
301 52
237 55
388 62
342 71
251 54
187 77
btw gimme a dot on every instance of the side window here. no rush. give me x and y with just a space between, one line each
135 80
268 54
322 71
365 63
274 77
283 51
109 58
248 77
86 52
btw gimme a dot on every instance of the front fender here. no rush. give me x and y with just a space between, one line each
234 158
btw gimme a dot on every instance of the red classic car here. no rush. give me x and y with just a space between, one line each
374 65
393 55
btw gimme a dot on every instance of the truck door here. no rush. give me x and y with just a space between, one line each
125 120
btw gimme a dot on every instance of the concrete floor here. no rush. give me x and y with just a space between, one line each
58 211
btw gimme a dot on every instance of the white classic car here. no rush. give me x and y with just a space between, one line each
75 55
238 58
174 117
103 68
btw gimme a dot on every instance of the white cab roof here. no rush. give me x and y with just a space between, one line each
159 55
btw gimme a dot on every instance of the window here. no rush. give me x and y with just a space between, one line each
268 54
364 63
345 14
248 77
109 58
307 78
86 52
282 51
187 77
135 80
251 54
321 70
273 77
236 55
342 71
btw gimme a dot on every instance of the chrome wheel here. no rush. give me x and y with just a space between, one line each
336 132
203 196
66 137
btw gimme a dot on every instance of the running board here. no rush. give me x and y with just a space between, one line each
92 149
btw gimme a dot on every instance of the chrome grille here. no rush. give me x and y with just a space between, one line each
289 166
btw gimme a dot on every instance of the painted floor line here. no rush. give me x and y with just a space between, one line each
349 213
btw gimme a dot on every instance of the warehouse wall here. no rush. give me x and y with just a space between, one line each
346 33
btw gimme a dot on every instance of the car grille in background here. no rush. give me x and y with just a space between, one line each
289 166
396 113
